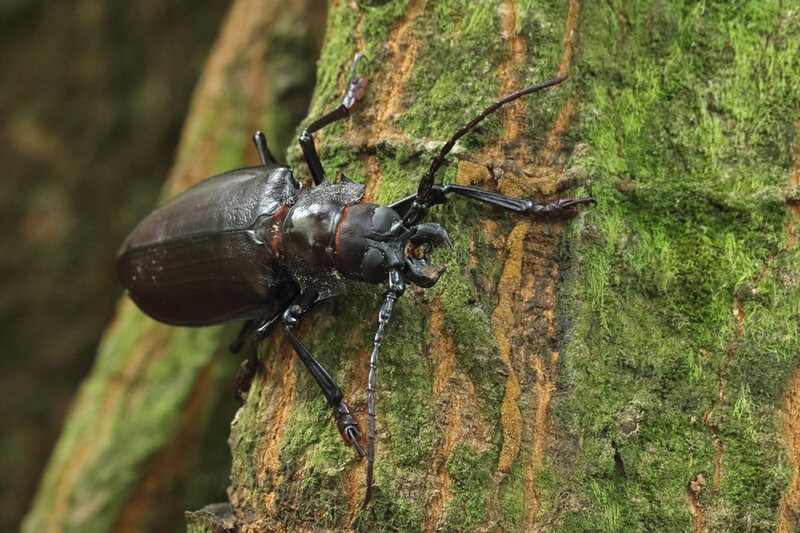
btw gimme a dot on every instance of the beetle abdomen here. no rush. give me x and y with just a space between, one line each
204 280
205 257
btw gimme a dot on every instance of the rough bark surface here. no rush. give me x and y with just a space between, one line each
628 371
631 370
468 369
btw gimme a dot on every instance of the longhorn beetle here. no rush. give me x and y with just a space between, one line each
252 244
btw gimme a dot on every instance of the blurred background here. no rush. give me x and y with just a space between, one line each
93 94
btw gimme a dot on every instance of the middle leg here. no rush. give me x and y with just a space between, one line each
345 422
355 90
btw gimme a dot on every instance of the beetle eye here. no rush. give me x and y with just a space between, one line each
383 218
371 264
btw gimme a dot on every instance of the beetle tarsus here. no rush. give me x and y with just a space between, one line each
561 208
356 86
348 427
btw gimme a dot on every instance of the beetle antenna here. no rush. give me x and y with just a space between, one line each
419 208
396 288
263 151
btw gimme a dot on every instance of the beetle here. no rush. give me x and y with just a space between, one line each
253 245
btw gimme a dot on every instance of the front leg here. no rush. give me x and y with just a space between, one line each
561 208
345 422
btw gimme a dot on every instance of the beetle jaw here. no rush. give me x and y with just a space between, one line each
417 268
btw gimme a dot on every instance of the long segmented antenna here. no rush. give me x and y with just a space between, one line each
419 207
396 288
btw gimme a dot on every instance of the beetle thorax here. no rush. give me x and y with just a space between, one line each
370 241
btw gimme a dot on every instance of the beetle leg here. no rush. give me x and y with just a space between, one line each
253 331
419 204
345 422
238 343
355 90
263 150
561 208
246 373
247 370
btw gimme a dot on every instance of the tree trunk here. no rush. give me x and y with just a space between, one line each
469 367
625 371
630 370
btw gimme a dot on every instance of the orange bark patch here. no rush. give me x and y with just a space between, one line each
789 507
275 400
442 353
514 112
402 55
372 168
470 174
694 491
504 324
544 387
572 18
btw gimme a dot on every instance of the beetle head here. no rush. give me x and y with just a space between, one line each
371 240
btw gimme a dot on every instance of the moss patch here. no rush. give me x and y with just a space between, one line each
689 142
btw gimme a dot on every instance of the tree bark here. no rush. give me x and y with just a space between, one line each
630 370
468 368
626 371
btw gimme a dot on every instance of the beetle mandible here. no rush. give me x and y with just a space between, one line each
252 244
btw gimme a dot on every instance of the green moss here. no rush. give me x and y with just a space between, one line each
380 18
446 98
130 434
470 473
513 492
689 143
337 54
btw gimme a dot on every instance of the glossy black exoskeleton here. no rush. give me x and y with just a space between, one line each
253 245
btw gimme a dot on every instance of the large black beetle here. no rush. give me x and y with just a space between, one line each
253 245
